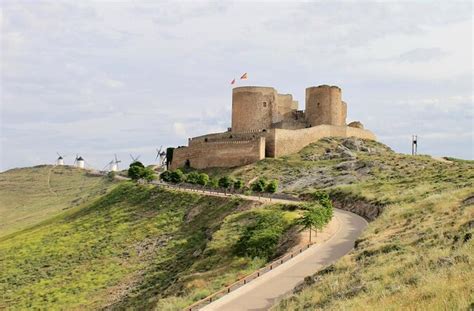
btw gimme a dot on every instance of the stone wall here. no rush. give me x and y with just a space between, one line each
219 154
226 136
282 142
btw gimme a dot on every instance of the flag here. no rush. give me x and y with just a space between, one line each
233 82
244 77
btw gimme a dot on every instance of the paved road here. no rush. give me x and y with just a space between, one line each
265 291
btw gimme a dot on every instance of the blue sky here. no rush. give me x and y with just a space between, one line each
98 78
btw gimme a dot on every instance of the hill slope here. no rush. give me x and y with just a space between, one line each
137 247
31 195
417 254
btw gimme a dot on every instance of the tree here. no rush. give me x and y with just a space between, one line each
238 184
177 176
259 185
137 163
203 179
308 221
138 171
272 186
214 182
225 182
135 171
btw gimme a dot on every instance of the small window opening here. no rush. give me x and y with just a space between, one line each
205 139
264 104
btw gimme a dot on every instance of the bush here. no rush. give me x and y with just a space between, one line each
261 238
177 176
259 185
135 171
272 186
193 178
148 174
137 163
225 182
203 179
166 176
238 184
214 182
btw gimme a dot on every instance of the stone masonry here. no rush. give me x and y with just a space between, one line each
268 124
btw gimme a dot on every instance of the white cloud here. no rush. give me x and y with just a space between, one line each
106 77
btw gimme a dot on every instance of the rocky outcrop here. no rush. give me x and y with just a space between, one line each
367 209
356 124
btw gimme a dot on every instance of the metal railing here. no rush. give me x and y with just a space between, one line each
246 279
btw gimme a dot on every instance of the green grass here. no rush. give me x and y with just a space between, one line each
139 247
31 195
136 247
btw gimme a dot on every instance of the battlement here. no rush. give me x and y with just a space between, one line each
266 123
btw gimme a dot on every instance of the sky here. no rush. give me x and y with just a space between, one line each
98 78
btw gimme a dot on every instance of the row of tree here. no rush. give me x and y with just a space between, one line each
317 214
225 182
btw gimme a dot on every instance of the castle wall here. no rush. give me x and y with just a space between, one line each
252 108
283 108
225 136
324 106
219 154
344 113
282 142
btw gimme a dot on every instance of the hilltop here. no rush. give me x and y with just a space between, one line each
31 195
139 246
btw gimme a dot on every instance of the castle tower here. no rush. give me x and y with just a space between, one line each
324 106
252 108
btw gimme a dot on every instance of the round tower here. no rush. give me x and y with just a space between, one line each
252 108
324 105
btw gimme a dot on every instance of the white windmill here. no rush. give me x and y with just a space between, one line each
79 162
162 156
113 165
60 159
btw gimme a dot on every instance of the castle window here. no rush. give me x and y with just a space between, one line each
264 104
319 104
230 136
205 139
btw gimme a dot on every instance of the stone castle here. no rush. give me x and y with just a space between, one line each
268 124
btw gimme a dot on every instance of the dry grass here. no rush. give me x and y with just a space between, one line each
31 195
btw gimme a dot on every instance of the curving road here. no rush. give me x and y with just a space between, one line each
264 292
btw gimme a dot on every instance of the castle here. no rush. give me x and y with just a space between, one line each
268 124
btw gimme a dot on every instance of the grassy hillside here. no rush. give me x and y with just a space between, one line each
418 255
31 195
137 247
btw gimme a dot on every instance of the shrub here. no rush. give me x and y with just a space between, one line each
225 182
193 178
259 185
137 163
261 238
166 176
238 184
148 174
203 179
214 182
177 176
111 175
135 171
272 186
